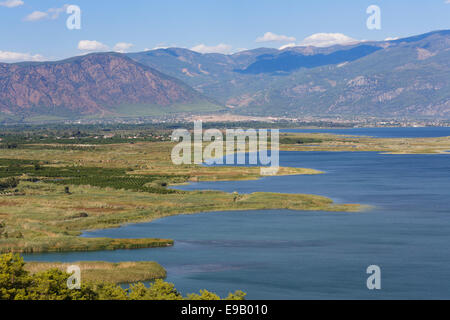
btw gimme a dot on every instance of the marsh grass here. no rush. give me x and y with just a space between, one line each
50 221
331 142
65 191
98 271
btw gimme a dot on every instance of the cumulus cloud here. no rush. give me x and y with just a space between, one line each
52 14
323 40
92 45
163 45
289 45
122 47
272 37
220 48
8 56
327 40
36 16
55 12
157 47
11 3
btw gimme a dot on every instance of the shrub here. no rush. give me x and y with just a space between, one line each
9 183
18 284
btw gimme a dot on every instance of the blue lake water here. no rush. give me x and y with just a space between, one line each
283 254
422 132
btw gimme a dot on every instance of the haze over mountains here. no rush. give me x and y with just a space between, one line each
407 78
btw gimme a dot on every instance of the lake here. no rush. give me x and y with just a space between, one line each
283 254
407 132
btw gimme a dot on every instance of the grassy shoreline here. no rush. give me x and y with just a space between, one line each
65 191
42 224
337 143
118 273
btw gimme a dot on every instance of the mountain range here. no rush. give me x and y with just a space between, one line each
403 78
95 85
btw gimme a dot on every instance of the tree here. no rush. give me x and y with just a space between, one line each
159 290
2 229
18 284
9 183
238 295
109 291
14 280
52 285
204 295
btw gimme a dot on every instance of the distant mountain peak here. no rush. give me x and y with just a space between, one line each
407 77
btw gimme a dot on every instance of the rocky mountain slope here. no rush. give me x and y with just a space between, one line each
403 78
102 84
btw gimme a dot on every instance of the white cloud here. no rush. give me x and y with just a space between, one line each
272 37
92 45
220 48
55 12
52 14
159 46
11 3
36 16
327 40
393 38
156 48
122 47
163 45
323 40
447 1
8 56
289 45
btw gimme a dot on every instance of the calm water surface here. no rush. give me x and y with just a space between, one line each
425 132
282 254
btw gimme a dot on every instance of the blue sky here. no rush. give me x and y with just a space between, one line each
36 29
